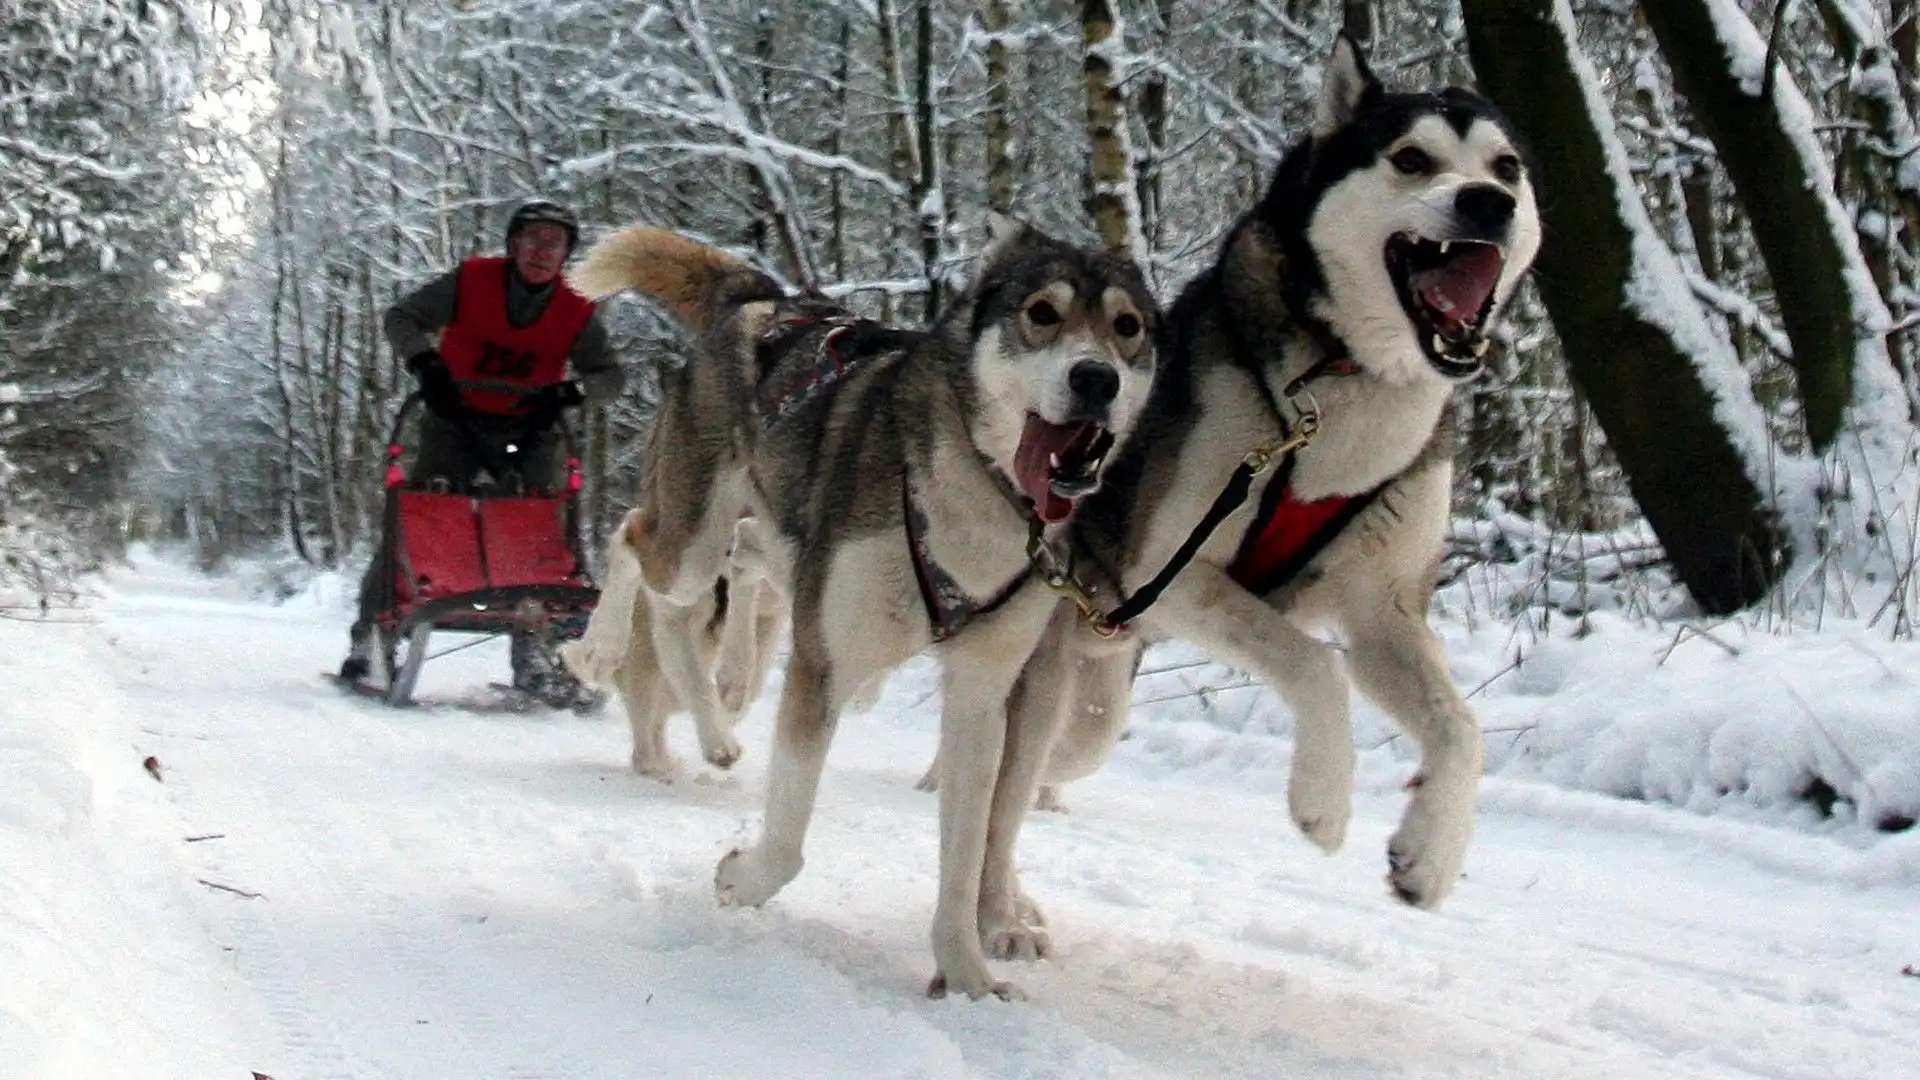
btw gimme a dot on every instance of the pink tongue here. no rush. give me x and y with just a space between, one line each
1459 289
1033 467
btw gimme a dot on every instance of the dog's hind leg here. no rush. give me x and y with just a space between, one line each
686 663
1235 627
596 658
645 696
808 715
1399 663
1095 718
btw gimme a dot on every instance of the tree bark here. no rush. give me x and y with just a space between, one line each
1645 391
929 199
1111 201
1787 213
999 108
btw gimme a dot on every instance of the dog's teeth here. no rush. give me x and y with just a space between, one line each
1445 246
1439 345
1480 348
1053 460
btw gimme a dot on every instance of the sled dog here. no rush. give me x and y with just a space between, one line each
907 483
736 627
1340 315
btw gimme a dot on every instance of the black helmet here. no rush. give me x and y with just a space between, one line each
544 210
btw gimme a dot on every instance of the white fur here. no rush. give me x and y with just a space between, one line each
1353 221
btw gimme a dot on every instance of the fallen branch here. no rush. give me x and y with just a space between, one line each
208 836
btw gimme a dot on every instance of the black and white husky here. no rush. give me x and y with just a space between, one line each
1344 309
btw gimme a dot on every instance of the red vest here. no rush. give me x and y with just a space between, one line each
495 362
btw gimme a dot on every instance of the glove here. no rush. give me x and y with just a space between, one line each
437 389
544 404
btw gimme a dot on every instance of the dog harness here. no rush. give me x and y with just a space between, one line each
949 607
829 366
1288 532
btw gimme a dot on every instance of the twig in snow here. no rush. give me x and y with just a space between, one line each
205 836
1518 657
1684 632
217 887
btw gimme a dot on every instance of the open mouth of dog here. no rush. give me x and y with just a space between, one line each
1057 464
1447 288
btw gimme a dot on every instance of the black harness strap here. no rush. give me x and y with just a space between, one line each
949 607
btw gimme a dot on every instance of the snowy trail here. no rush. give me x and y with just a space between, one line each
446 893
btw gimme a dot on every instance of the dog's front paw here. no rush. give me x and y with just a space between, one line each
1048 800
1320 795
1016 940
975 988
594 662
665 770
721 751
743 879
1426 853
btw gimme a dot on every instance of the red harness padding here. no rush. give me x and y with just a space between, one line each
1289 533
496 362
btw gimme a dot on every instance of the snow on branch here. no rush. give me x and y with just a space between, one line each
119 174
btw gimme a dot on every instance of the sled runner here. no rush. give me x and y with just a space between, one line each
488 558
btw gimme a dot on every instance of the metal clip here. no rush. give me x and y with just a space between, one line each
1055 571
1261 458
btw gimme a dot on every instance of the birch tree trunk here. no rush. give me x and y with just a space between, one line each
1113 201
999 108
1645 389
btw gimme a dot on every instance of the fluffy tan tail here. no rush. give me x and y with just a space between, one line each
678 271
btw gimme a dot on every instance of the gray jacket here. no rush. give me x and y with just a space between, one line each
414 322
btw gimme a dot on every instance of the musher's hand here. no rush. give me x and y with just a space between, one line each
544 405
437 389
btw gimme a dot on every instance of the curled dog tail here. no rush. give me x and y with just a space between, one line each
595 659
680 272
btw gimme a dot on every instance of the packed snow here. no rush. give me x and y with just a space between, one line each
215 865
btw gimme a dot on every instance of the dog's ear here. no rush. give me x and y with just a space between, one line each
1005 233
1346 85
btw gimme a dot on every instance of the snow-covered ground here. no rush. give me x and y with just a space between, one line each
318 887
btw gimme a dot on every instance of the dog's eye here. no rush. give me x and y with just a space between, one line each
1126 324
1042 313
1506 169
1411 160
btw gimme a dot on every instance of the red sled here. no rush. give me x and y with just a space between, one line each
478 561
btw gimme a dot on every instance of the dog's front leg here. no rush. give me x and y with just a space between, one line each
979 670
1012 926
1399 663
1211 610
808 715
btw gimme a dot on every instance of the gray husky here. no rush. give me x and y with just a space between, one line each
908 483
1316 357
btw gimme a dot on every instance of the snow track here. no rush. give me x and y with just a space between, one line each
475 896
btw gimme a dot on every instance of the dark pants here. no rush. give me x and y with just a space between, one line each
446 456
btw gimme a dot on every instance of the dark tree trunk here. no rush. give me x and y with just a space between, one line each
1788 217
1643 387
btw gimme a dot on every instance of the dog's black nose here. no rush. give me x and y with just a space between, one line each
1484 207
1093 384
